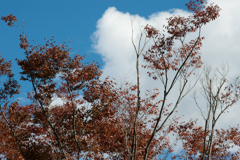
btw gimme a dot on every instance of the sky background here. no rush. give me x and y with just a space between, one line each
101 30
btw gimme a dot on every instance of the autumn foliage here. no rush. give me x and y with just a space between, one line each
100 120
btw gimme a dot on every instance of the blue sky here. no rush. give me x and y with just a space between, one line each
74 20
101 30
69 19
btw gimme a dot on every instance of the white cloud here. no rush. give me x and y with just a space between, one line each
222 37
112 40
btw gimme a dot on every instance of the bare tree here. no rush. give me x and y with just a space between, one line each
220 95
138 50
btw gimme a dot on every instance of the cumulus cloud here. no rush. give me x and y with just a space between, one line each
112 40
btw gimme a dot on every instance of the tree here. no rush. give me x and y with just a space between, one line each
81 126
163 58
220 95
97 117
65 130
